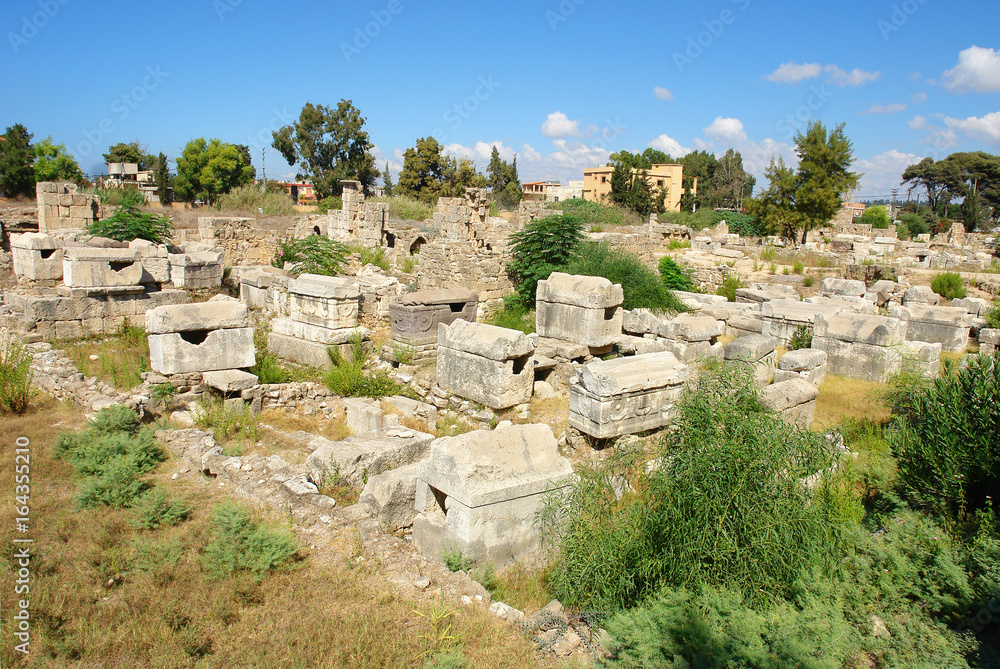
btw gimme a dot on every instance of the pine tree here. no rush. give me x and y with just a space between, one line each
161 177
387 180
17 162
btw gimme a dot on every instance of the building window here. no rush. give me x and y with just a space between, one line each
604 180
660 183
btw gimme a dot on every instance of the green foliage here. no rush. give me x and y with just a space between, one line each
428 173
15 376
993 316
877 217
514 315
447 659
808 282
776 207
674 276
206 170
914 223
406 208
944 438
250 198
268 370
545 245
949 285
598 213
723 505
54 163
328 204
228 422
156 509
802 338
503 181
129 222
17 160
315 254
387 186
730 284
241 543
162 178
699 220
823 175
745 225
329 145
455 561
642 287
348 378
128 152
799 267
116 419
632 190
375 256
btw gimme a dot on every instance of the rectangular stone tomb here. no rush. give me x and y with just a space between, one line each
485 364
582 309
86 267
415 317
327 301
861 346
479 493
627 395
794 399
758 351
782 318
948 326
36 257
203 337
196 270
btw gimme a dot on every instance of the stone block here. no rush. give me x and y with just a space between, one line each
326 301
948 326
751 347
583 309
989 340
391 496
415 317
85 267
861 328
306 352
212 315
363 414
975 306
782 318
37 257
921 296
316 333
230 380
806 363
922 358
479 493
368 454
856 360
846 287
196 270
627 395
794 399
201 351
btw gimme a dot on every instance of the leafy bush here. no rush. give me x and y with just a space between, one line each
155 509
641 285
808 282
268 370
312 255
801 338
369 256
241 543
723 505
877 217
15 376
599 214
544 246
993 316
129 222
674 276
327 204
514 315
227 422
729 286
799 267
347 376
944 438
741 224
915 224
251 198
949 285
455 561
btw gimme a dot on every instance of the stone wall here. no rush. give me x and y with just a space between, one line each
61 206
242 240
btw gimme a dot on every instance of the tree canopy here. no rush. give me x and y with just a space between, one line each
973 177
205 170
129 152
503 180
428 174
824 174
54 163
329 145
17 159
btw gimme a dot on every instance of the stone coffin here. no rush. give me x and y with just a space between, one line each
86 267
479 493
485 364
783 317
627 395
415 317
212 315
794 399
756 350
36 257
199 351
582 309
861 346
326 301
948 326
196 270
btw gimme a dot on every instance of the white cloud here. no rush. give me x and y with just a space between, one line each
885 109
918 122
670 146
530 154
481 152
883 172
662 93
726 129
559 125
919 98
941 139
986 128
793 73
915 77
855 77
757 156
395 160
978 69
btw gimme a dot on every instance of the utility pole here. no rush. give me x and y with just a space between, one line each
895 192
263 168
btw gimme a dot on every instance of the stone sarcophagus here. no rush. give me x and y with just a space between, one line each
415 317
88 267
485 364
861 346
479 493
37 257
582 309
203 337
948 326
625 396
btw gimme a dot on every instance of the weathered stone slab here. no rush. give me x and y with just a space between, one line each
37 257
794 399
922 358
975 306
391 496
948 326
859 346
200 351
806 363
316 333
369 454
196 270
782 318
363 414
756 350
230 380
921 296
989 340
584 309
326 301
305 352
415 317
862 328
845 287
86 267
212 315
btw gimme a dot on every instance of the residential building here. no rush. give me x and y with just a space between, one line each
552 190
668 178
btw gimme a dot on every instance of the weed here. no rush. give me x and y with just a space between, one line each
241 543
642 287
773 268
347 376
239 426
406 208
440 637
328 204
993 316
799 267
949 285
730 284
455 561
369 256
156 509
121 358
674 276
311 255
15 375
801 338
403 353
808 282
514 315
409 264
252 199
786 270
676 244
769 254
597 228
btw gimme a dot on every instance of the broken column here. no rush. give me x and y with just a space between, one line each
485 364
625 396
861 346
582 309
203 337
415 317
479 493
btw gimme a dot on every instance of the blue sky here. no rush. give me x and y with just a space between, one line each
561 83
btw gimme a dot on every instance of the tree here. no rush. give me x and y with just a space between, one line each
54 163
329 145
205 170
503 180
731 181
928 175
424 171
161 177
129 152
824 174
17 159
877 217
700 165
387 181
461 175
776 206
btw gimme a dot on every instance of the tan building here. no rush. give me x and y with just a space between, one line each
597 183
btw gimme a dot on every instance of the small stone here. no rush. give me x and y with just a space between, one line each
567 643
422 583
95 357
175 476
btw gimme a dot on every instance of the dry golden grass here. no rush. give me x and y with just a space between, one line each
554 412
524 589
843 399
333 427
104 594
120 360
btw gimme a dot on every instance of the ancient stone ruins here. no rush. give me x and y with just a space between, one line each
609 372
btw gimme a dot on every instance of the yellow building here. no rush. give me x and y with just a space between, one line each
597 183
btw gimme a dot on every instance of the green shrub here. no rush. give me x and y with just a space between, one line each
455 561
15 376
327 204
241 543
369 256
741 224
944 438
129 222
117 196
406 208
723 505
514 315
730 284
993 316
268 370
116 419
915 224
799 267
227 422
674 276
348 378
642 287
315 254
544 246
676 244
808 282
877 217
801 338
599 214
251 198
155 509
949 285
447 659
769 254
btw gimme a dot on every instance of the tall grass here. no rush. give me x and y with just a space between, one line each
406 208
642 287
513 315
369 256
251 199
121 358
314 254
15 375
348 378
599 214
